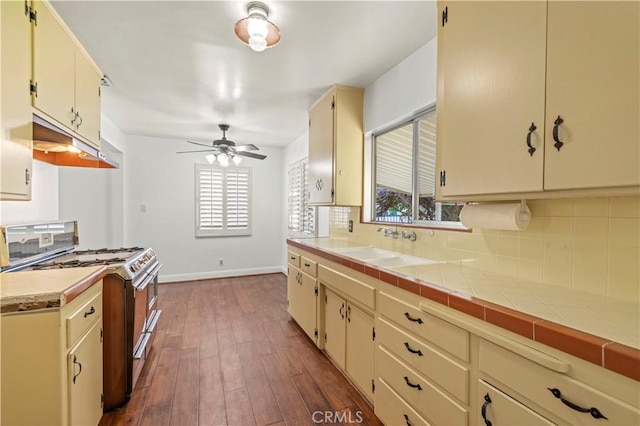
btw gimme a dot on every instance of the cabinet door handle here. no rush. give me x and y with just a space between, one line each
410 318
80 123
531 148
595 413
75 115
349 313
90 312
411 385
307 265
342 311
557 124
413 351
487 401
406 419
75 361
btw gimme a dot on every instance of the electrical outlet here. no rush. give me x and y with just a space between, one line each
220 262
350 225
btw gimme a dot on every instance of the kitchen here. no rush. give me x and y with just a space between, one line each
145 185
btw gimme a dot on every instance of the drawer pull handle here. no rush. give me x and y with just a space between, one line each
293 258
410 318
75 361
406 419
595 413
411 385
90 312
307 265
487 401
413 351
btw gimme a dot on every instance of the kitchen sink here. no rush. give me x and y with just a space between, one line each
366 254
398 261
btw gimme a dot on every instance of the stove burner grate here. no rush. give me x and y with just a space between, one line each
78 263
107 251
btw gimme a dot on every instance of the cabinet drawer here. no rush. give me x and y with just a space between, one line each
80 320
418 391
293 259
308 266
392 410
440 369
534 382
500 409
355 290
447 336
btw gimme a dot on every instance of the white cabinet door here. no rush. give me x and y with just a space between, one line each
593 58
321 145
16 130
85 378
492 76
87 100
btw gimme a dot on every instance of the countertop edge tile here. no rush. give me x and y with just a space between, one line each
622 359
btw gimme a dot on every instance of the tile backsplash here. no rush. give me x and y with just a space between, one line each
589 244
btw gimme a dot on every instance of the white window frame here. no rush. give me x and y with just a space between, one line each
371 198
224 230
298 209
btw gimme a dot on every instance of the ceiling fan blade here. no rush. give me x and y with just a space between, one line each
246 147
198 150
198 143
251 155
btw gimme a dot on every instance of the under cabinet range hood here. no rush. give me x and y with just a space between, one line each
54 145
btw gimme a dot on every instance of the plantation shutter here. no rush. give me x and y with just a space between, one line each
301 215
223 201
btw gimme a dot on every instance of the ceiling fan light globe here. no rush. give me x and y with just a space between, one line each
210 158
237 160
223 158
257 43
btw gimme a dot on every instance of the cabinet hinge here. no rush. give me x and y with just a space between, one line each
325 299
309 123
27 177
443 178
99 134
99 91
33 88
33 16
315 290
373 333
287 303
445 16
102 400
101 334
333 104
373 386
332 193
325 337
315 332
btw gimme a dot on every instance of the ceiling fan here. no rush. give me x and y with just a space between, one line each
224 150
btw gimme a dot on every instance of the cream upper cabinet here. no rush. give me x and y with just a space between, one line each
336 148
15 112
68 83
516 77
491 89
593 64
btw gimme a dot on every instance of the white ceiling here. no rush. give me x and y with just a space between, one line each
178 69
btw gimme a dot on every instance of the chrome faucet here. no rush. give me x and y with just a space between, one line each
393 233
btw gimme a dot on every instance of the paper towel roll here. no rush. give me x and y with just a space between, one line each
503 216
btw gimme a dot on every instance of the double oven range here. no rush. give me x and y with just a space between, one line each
130 294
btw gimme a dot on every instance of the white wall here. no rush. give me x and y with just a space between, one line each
44 198
164 182
403 90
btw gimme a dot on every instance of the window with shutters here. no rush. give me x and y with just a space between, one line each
223 201
404 176
302 216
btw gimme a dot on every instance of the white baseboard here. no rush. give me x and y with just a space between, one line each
221 274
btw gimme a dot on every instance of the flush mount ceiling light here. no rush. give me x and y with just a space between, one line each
255 30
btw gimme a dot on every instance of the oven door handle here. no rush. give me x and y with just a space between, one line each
149 277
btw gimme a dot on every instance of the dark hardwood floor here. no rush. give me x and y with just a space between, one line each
228 353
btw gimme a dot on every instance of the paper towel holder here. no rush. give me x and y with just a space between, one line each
525 213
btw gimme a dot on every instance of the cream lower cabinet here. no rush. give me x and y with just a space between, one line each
501 409
302 294
52 364
349 339
531 96
15 112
